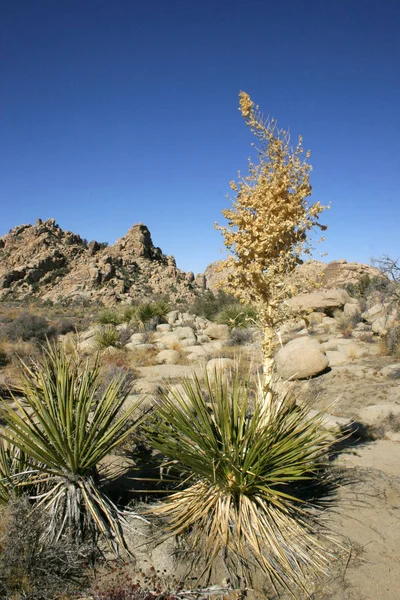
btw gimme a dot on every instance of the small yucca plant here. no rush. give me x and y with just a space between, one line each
109 317
107 337
147 311
242 461
237 315
65 425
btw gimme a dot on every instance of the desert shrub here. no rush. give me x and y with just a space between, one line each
150 314
107 337
65 326
243 461
208 304
32 568
65 427
240 336
4 356
128 314
28 327
237 315
109 317
344 320
391 342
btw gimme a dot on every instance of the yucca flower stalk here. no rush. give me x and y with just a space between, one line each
65 426
242 460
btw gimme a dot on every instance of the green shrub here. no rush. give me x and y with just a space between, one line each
150 314
109 317
208 304
237 315
107 337
28 327
13 464
243 462
66 428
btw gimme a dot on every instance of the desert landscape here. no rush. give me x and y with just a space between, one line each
130 306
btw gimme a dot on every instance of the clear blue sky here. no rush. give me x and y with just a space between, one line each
115 112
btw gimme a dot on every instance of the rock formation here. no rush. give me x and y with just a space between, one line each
45 261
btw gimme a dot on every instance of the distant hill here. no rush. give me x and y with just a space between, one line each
44 261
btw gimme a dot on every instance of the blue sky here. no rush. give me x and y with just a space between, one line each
118 112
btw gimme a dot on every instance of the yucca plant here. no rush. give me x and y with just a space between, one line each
237 315
147 311
65 425
242 462
107 337
13 471
109 316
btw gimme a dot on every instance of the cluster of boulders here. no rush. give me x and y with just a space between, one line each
309 345
45 261
321 339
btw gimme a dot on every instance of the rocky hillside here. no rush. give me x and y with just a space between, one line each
335 274
45 261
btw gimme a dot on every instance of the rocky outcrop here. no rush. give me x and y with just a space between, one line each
325 301
335 274
44 260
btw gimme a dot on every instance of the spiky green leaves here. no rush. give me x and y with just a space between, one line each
65 425
243 460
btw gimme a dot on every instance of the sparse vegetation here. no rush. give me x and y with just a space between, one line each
109 317
208 304
30 567
29 327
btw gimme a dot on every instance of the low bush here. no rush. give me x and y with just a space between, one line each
65 427
150 314
240 337
390 343
30 567
208 304
109 317
65 326
29 327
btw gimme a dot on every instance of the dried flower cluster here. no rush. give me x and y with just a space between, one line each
269 223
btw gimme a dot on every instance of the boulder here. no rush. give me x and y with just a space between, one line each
184 333
376 413
219 364
292 329
217 331
326 301
168 357
136 339
391 371
163 327
375 312
382 325
301 358
352 311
